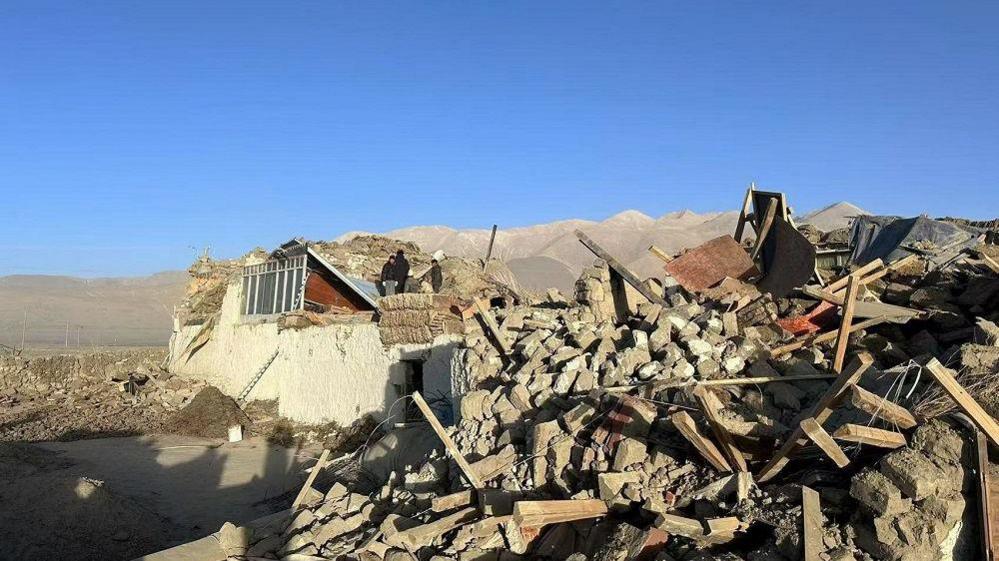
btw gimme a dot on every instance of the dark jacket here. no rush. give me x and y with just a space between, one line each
401 270
436 277
388 272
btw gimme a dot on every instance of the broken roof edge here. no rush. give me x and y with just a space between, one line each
347 280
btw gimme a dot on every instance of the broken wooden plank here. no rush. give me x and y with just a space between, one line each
814 431
490 322
863 309
540 513
985 510
744 485
626 274
764 231
304 492
462 498
448 443
811 513
654 250
840 283
820 412
685 424
843 335
825 337
425 534
945 378
869 435
710 406
879 407
679 525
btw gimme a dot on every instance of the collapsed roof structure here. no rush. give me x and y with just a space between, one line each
749 405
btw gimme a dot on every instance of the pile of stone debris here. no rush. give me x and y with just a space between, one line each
107 393
721 424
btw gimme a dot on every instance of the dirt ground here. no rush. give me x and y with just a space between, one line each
115 499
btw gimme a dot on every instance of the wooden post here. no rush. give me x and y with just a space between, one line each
448 443
626 274
811 513
489 252
310 480
820 412
747 204
982 420
821 438
685 424
843 337
880 408
493 327
984 496
711 405
870 436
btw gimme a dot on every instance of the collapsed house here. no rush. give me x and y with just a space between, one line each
750 406
292 326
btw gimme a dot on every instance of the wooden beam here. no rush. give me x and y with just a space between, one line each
841 282
870 436
881 408
492 238
423 535
621 270
843 336
985 511
490 322
863 309
982 420
768 222
540 513
685 424
462 498
811 513
990 262
824 337
304 492
821 438
820 412
747 204
666 258
710 406
448 443
885 270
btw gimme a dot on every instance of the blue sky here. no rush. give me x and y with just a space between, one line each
133 132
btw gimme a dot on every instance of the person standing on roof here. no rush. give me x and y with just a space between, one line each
386 281
401 271
436 275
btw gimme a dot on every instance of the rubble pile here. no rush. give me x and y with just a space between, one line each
87 395
613 427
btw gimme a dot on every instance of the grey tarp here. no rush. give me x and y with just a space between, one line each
887 237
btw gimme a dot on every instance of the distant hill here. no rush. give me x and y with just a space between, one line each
833 216
546 255
106 311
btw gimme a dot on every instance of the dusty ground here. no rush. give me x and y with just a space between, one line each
119 498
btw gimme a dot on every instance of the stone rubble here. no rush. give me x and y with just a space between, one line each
581 409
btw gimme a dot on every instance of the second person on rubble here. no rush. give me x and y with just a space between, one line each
436 275
386 281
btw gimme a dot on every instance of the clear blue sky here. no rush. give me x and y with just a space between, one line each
131 132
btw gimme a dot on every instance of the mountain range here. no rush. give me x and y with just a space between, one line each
547 255
52 310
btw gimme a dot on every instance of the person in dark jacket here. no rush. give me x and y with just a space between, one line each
436 275
388 274
401 271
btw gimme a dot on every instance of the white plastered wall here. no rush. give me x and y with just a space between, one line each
330 373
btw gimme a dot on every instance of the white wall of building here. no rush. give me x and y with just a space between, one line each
330 373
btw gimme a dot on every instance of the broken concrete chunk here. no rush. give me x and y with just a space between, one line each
629 451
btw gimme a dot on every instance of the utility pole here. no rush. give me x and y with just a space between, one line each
24 327
66 344
78 327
